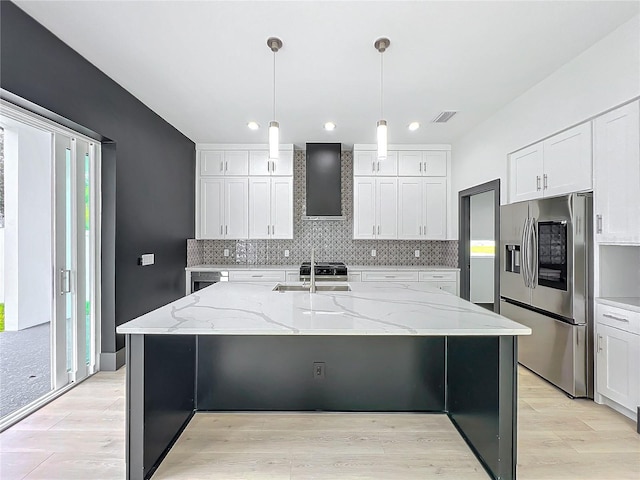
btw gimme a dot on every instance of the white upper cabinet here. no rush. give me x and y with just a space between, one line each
375 208
259 163
210 221
271 207
617 175
224 162
419 175
526 173
236 208
242 194
422 208
567 162
222 208
365 162
556 166
426 163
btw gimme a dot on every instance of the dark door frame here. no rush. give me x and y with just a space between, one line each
464 229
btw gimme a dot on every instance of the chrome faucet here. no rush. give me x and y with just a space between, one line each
312 287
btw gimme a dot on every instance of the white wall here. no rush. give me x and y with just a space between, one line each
605 75
28 265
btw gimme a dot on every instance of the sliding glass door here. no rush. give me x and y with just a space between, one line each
50 257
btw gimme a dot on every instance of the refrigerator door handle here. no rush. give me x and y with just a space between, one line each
534 254
524 262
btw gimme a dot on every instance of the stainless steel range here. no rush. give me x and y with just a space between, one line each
324 271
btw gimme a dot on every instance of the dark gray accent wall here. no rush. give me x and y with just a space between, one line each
149 166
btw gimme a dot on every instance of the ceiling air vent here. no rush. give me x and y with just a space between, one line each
443 117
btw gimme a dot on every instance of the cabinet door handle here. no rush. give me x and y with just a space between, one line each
268 230
599 343
378 166
373 166
424 229
222 166
374 230
378 229
273 166
599 223
420 167
273 229
420 229
226 229
257 276
268 166
537 182
545 181
389 276
437 276
425 167
220 229
613 317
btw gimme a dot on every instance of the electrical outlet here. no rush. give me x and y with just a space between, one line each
417 253
286 253
225 252
318 370
373 252
147 259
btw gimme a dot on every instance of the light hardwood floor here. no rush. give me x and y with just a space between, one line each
81 436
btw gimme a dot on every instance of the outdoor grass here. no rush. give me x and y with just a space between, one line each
1 317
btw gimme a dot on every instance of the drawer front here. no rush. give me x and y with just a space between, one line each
293 276
449 287
619 318
438 276
354 277
257 276
389 276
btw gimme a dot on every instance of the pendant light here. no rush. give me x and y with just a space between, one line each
274 45
381 45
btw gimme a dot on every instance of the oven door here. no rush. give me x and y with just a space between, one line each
553 256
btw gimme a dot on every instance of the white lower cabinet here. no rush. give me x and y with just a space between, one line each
618 356
257 276
271 207
443 280
446 280
390 276
223 208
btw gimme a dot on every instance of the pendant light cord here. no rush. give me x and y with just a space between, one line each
381 83
274 86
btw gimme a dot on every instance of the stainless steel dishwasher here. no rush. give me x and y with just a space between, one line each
200 280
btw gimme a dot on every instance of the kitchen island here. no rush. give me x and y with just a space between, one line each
400 347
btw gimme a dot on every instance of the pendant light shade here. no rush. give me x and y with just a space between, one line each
274 140
381 45
381 135
274 45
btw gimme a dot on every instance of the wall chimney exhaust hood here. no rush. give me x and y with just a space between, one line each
324 188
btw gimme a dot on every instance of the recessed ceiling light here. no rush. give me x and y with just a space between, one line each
329 126
413 126
253 125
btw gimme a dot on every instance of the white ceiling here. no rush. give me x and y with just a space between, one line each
205 67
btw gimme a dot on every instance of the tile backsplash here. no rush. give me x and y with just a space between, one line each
332 239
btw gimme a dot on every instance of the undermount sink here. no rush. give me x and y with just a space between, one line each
282 288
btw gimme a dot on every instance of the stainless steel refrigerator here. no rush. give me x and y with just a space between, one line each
546 283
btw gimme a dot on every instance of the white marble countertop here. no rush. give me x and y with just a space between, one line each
628 303
410 308
215 268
